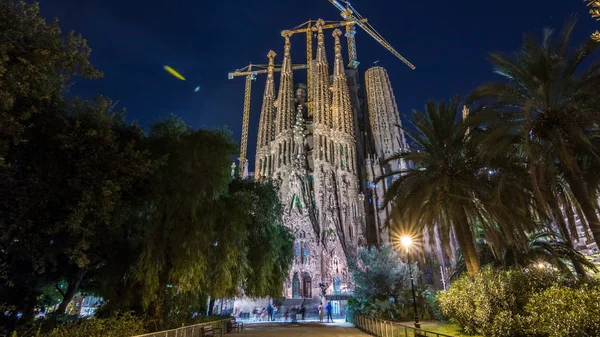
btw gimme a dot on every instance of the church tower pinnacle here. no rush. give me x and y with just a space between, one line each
321 111
343 119
266 126
285 110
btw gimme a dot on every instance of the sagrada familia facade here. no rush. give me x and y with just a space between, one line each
326 155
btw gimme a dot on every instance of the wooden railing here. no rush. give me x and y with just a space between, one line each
382 328
196 330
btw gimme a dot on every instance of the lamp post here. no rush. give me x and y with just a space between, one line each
407 242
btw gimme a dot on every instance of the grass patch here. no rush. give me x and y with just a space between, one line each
447 329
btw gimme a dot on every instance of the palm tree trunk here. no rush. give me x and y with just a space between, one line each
464 235
588 207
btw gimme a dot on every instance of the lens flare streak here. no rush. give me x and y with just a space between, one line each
174 73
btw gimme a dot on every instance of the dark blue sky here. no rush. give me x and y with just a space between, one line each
131 40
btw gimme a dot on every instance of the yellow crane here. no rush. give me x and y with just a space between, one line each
250 73
349 13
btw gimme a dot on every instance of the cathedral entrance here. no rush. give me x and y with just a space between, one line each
307 286
295 286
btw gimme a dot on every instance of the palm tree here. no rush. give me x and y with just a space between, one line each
548 112
449 187
543 247
595 12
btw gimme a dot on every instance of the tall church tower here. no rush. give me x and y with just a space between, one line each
387 138
285 113
266 125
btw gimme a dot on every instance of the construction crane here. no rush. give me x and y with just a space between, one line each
349 13
250 74
309 27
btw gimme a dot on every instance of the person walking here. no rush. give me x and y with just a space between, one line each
270 312
294 314
274 313
329 308
321 312
302 311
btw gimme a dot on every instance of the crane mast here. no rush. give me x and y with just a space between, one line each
350 14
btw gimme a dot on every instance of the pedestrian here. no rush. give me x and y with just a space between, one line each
255 313
263 314
274 313
287 314
294 313
321 312
328 308
270 312
302 311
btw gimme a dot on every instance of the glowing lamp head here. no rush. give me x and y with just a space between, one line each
541 266
406 241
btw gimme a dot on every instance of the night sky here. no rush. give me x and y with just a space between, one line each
132 40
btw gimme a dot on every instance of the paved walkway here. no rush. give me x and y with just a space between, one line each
299 329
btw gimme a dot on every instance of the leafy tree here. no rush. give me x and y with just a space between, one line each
36 67
63 166
269 244
451 186
212 237
65 187
379 274
184 213
546 112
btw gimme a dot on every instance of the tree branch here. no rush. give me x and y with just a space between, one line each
60 290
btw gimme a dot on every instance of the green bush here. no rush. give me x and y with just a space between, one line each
475 302
565 312
507 323
124 325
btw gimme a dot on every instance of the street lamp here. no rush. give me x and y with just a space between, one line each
407 242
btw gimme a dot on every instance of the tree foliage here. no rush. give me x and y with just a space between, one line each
450 186
120 325
544 249
478 303
519 303
379 273
546 114
90 204
36 67
382 287
565 312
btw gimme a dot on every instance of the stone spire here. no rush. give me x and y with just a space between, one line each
321 111
266 126
341 107
383 114
285 101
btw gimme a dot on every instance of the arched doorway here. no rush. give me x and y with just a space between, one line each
295 286
307 286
